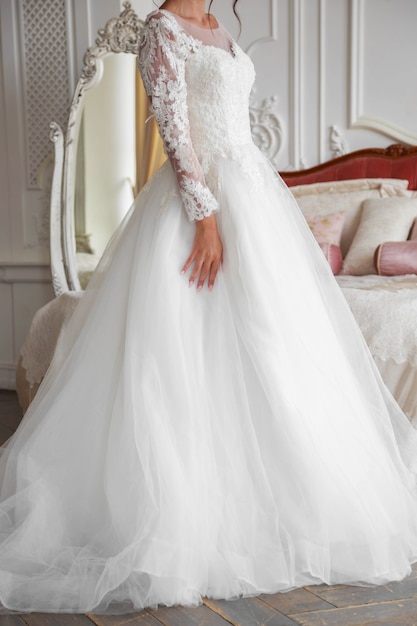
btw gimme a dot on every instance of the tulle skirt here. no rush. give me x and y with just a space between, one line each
226 443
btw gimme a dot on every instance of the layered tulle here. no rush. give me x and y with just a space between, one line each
192 443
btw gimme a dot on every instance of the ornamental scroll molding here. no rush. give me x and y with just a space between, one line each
266 126
120 34
337 142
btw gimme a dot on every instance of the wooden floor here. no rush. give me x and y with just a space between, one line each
310 606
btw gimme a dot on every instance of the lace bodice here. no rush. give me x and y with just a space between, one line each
199 94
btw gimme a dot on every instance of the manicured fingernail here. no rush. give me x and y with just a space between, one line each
190 283
211 287
182 272
199 288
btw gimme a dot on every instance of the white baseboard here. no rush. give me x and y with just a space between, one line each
7 376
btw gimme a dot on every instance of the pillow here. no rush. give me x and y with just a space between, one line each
396 190
328 203
383 219
396 258
413 232
327 228
349 201
340 186
333 255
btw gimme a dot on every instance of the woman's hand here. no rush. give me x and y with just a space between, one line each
206 253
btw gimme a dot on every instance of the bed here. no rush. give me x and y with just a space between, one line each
385 306
383 180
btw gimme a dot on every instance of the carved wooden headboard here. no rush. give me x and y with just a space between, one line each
396 161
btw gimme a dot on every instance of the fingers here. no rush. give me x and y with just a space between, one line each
188 262
198 270
202 269
205 270
205 257
212 275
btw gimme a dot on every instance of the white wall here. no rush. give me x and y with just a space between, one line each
349 64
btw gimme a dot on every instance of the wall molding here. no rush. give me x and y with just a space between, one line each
22 273
273 33
266 126
337 142
357 116
296 84
274 19
7 376
356 58
322 80
387 128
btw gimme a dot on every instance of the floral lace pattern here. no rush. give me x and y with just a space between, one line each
200 97
164 48
386 312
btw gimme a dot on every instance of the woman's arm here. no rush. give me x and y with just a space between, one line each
162 56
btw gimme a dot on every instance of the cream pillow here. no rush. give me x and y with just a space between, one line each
399 191
348 201
383 219
338 186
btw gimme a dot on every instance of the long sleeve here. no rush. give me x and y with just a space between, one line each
162 55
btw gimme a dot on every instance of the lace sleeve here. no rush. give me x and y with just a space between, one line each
162 54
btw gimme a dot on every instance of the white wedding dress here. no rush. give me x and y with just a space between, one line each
226 443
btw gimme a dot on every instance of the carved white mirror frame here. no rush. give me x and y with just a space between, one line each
120 34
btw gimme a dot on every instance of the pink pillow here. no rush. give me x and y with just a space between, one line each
395 258
327 228
333 255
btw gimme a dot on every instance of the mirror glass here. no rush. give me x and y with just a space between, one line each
105 166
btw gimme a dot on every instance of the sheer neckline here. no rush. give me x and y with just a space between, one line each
228 43
183 19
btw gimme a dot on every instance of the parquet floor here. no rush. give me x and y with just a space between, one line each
394 604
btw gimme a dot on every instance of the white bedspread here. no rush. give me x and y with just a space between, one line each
386 310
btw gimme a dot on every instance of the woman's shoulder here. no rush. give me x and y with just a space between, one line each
160 20
160 16
169 18
161 25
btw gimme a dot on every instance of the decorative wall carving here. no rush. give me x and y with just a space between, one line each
337 142
266 126
46 76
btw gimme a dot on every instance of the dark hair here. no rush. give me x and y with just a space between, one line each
234 11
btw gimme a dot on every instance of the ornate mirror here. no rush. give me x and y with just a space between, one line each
95 165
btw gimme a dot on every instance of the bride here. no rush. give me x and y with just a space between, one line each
212 423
